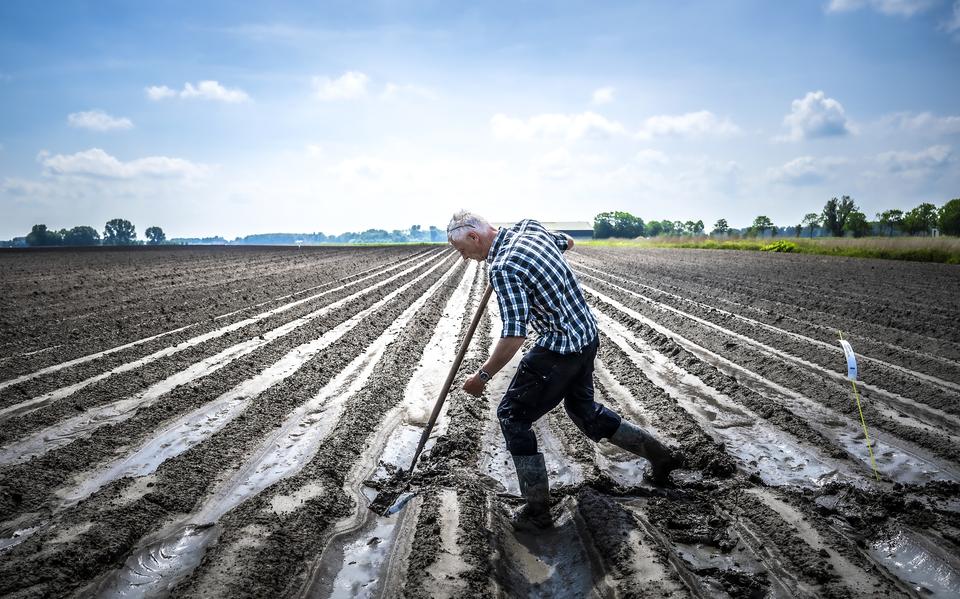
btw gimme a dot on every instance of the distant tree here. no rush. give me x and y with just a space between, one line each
155 235
950 217
857 224
617 224
890 220
921 219
40 236
119 231
654 228
666 227
836 212
720 227
82 235
437 234
698 227
761 224
812 220
678 228
798 230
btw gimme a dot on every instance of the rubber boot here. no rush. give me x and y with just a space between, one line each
634 439
532 473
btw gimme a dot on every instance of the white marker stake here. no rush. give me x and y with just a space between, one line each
852 375
851 360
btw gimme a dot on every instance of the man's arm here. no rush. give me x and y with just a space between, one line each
564 242
505 349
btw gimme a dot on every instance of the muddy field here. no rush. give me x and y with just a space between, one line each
213 422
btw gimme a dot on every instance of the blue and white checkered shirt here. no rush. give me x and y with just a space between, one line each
535 285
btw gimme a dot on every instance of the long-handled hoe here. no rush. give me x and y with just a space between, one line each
394 493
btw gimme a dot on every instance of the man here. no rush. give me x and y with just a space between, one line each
535 286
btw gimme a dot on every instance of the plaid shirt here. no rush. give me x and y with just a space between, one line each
535 285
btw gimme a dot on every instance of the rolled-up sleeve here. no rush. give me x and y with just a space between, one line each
512 299
560 239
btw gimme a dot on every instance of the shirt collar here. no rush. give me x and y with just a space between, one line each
497 242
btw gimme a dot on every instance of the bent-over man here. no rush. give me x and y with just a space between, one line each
535 287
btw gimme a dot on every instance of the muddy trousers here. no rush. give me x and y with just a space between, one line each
544 379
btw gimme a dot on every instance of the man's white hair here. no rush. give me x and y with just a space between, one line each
463 222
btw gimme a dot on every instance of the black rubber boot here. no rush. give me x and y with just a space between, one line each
532 473
663 460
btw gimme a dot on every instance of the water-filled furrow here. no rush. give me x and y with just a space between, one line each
350 565
60 393
281 455
281 298
83 425
896 458
190 429
934 413
830 346
779 459
860 580
925 416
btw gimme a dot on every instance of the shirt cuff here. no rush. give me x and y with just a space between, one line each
514 329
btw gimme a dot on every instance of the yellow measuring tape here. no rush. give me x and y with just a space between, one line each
852 375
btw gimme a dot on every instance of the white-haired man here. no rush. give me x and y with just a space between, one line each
535 286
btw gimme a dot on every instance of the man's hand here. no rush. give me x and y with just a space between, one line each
474 385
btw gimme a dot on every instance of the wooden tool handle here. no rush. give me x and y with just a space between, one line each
453 372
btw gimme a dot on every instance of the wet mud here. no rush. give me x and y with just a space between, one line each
269 395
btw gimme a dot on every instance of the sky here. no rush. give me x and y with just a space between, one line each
226 118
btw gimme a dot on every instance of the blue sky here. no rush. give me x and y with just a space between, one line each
235 118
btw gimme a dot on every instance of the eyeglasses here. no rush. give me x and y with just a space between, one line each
464 226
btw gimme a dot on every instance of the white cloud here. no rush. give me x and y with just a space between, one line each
349 86
915 164
692 124
98 164
159 92
816 115
206 90
805 170
923 123
393 91
952 24
603 95
903 8
570 127
98 120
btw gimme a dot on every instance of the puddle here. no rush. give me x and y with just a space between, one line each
364 555
122 407
152 571
20 535
926 569
549 563
450 565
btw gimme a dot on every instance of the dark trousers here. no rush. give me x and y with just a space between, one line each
544 379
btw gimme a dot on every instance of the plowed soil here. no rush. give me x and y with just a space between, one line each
214 422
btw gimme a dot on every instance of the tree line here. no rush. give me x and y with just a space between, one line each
122 232
839 217
117 231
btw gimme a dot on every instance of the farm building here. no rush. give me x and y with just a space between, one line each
575 229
